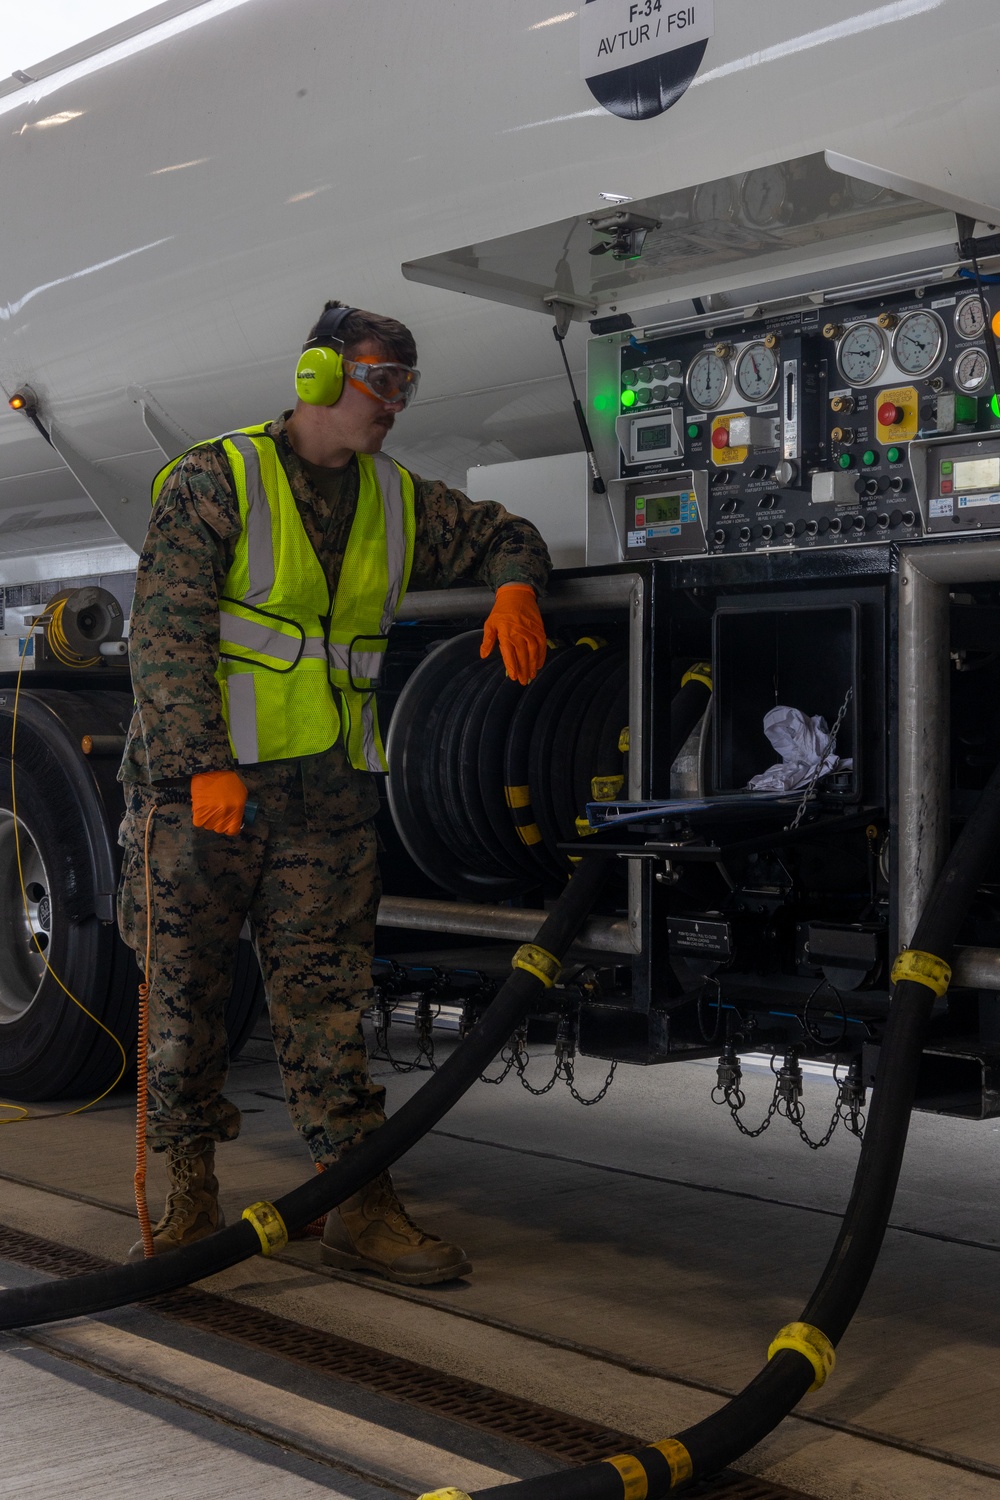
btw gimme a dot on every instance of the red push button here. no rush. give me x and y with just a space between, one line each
720 437
890 415
946 486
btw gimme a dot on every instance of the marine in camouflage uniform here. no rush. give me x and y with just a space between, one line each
304 871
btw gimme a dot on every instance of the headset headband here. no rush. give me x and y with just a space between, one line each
326 330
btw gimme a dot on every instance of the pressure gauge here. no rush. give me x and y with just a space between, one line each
969 317
756 372
707 380
861 353
713 201
764 196
971 370
918 343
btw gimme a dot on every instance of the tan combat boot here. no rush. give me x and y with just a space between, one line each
372 1231
192 1208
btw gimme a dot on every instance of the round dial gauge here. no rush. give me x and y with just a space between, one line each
713 201
763 196
918 342
971 370
969 317
861 353
756 372
707 380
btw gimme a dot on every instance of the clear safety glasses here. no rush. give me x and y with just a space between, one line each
385 382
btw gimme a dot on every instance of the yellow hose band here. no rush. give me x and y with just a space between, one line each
270 1226
810 1342
529 834
593 641
445 1494
517 796
700 672
922 968
545 966
583 827
623 742
634 1477
606 788
679 1459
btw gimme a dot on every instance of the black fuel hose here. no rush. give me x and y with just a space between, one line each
24 1306
699 1451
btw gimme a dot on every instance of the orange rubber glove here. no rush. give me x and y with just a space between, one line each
217 801
515 622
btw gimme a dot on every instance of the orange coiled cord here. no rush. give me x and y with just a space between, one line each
142 1067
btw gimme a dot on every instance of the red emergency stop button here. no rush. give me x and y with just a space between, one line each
720 437
890 415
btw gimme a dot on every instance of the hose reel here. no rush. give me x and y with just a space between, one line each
487 778
82 626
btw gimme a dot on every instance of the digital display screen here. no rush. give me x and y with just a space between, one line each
977 473
651 438
662 508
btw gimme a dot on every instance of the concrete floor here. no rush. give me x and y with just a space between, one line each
632 1260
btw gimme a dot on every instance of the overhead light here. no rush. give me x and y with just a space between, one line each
179 166
23 400
617 197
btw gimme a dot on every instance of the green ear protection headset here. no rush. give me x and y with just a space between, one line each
319 374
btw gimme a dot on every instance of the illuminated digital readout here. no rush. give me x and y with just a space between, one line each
977 473
652 438
663 508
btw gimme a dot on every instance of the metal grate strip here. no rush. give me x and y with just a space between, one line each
558 1435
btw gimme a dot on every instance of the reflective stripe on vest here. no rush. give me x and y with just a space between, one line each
292 674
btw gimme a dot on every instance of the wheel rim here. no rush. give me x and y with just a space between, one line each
22 967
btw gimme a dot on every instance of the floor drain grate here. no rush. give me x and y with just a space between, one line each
558 1435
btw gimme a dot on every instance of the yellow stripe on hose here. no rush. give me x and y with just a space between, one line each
270 1226
445 1494
517 796
810 1342
922 968
606 788
624 741
529 834
700 672
634 1477
538 961
679 1459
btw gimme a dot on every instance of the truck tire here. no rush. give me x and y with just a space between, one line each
62 848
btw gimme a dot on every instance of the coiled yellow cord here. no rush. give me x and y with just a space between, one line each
55 636
24 1114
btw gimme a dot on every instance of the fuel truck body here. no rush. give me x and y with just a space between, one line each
756 231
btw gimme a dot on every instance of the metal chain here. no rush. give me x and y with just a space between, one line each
810 788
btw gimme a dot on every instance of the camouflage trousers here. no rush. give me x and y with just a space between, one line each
311 894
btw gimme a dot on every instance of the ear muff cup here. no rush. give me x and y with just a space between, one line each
319 376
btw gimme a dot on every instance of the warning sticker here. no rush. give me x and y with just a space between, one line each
618 33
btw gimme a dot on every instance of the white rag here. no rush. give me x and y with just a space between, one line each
803 744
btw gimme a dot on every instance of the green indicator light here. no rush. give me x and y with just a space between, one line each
845 460
995 406
947 467
693 429
628 398
893 455
869 457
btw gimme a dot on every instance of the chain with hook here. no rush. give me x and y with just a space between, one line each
810 787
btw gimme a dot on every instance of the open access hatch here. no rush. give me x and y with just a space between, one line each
811 214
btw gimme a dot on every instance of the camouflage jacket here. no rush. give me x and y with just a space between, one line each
178 729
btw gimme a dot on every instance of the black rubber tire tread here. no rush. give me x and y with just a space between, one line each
582 720
460 827
519 737
246 998
543 771
406 751
499 712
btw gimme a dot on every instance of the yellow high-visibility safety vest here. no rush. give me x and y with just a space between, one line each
292 674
